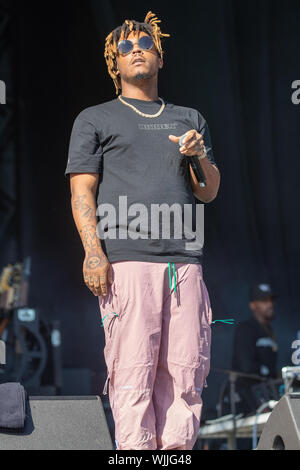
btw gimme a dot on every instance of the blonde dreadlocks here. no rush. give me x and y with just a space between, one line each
149 26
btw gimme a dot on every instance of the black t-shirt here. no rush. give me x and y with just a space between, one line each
140 169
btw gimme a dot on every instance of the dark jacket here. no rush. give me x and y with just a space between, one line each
254 352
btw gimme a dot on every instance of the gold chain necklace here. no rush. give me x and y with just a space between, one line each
143 114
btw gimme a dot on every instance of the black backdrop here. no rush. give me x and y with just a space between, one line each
235 62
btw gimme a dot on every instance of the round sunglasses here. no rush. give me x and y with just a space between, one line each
145 43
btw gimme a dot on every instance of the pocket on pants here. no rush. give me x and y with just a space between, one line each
109 336
109 309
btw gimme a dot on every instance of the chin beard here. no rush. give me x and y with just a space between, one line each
142 76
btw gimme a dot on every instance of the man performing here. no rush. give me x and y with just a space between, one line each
154 305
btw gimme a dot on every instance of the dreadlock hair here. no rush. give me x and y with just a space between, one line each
149 26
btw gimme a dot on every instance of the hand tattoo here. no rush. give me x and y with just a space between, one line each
94 260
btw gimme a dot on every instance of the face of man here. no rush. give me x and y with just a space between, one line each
263 308
131 73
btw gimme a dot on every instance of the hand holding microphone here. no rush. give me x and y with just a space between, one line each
192 145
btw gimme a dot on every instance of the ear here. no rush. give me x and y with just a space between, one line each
161 63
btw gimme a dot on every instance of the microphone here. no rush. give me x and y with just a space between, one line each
196 165
197 169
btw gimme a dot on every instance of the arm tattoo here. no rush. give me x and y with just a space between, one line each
83 207
89 237
88 234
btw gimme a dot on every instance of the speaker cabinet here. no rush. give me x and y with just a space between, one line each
61 423
282 430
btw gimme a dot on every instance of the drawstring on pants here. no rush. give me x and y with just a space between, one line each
170 277
228 321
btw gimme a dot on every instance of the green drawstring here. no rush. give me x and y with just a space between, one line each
107 316
170 277
174 277
229 321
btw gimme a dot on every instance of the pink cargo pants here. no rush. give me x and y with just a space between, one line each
157 352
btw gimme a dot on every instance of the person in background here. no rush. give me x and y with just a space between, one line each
255 347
